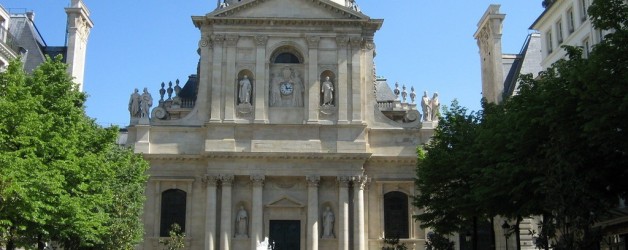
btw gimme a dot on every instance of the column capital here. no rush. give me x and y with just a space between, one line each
343 181
361 181
218 39
312 41
258 180
210 180
313 180
232 39
205 42
368 44
342 41
261 40
355 41
226 179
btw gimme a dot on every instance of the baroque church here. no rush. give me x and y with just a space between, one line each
284 134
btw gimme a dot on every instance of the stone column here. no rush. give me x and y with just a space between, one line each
342 90
230 78
257 210
356 94
312 212
359 183
313 90
217 82
261 93
210 212
343 212
202 100
225 212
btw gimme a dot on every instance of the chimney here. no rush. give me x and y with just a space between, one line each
31 16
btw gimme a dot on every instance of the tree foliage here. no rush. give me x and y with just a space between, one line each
62 177
559 148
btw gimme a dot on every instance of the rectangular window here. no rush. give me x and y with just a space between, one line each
586 47
570 19
559 32
550 45
583 10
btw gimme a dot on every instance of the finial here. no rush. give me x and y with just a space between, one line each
412 94
396 91
404 93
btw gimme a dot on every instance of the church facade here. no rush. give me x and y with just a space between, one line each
284 133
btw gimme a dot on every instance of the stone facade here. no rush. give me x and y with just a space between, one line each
281 135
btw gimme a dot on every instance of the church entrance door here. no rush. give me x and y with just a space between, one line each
285 234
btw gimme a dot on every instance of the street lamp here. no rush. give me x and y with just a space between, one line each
508 230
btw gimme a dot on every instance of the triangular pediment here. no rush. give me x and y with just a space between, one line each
288 9
285 201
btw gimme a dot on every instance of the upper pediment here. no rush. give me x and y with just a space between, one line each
288 9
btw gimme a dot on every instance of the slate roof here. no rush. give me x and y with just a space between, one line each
383 92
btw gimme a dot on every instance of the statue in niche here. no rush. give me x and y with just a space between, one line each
242 223
145 103
327 88
328 223
286 89
435 107
245 90
427 107
297 96
134 104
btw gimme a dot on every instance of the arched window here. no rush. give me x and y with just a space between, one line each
286 57
286 54
173 202
396 215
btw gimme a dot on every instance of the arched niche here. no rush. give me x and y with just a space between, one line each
328 87
243 87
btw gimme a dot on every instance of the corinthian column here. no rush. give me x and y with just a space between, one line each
210 212
225 212
312 211
343 212
257 210
358 187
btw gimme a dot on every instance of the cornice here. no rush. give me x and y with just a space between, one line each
288 156
370 24
394 159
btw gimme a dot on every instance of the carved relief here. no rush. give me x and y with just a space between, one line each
218 39
231 39
356 42
204 42
286 88
342 41
312 41
261 40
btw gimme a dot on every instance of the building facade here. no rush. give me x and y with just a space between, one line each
19 38
284 133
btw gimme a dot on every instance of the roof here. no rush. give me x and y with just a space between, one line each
383 92
528 61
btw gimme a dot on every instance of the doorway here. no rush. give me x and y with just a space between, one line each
285 234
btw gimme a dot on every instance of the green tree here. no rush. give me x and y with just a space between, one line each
63 178
444 171
175 240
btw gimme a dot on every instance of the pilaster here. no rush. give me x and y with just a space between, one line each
314 88
230 81
343 212
312 212
217 82
341 80
261 93
257 224
225 215
359 183
356 94
202 99
210 182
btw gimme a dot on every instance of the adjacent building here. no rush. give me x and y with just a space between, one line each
283 132
20 38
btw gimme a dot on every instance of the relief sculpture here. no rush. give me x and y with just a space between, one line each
286 89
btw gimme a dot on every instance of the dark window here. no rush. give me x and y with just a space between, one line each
172 210
396 215
286 57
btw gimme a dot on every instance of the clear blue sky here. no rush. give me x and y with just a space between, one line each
140 43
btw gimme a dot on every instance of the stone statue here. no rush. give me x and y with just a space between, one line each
435 107
245 90
275 96
328 91
427 107
242 223
134 104
328 223
297 96
145 103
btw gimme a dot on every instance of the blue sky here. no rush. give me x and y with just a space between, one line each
141 43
